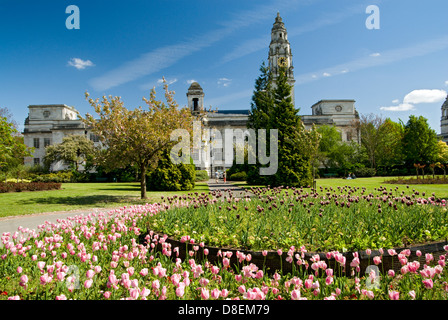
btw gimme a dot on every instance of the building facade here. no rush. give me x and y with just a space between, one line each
444 122
49 124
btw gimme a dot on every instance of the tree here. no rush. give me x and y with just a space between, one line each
294 167
390 150
12 148
74 150
419 141
259 118
381 139
139 136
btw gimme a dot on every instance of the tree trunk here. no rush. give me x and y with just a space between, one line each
143 182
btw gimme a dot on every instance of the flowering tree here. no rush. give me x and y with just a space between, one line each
137 137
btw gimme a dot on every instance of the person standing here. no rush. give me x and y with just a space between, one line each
224 176
216 176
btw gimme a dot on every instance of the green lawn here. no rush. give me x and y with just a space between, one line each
440 190
74 196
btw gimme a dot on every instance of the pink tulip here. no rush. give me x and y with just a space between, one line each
205 294
41 265
377 260
391 273
107 294
19 269
88 283
216 293
295 294
180 291
61 297
264 253
394 295
23 280
90 273
279 252
145 292
428 283
224 293
412 294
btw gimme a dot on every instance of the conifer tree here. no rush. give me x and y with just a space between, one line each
294 167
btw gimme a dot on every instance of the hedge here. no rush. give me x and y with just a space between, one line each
28 186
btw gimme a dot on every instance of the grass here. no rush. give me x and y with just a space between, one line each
74 196
440 190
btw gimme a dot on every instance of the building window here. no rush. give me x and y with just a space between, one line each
349 136
46 114
46 142
36 143
94 138
36 161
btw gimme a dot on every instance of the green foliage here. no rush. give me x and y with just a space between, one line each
272 108
59 176
238 176
28 186
365 172
201 175
12 147
137 137
74 150
419 141
171 177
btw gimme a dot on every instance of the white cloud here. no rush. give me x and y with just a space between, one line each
386 57
446 82
425 96
168 81
416 97
376 54
326 74
79 63
191 81
400 107
224 82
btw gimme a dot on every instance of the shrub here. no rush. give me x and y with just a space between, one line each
59 176
28 186
171 177
202 175
365 172
239 176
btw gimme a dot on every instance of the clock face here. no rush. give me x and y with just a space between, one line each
282 62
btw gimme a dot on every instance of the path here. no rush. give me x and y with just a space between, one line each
32 221
226 188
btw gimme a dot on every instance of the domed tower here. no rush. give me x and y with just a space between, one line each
444 121
195 96
280 53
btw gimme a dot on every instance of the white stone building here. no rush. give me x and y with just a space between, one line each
49 124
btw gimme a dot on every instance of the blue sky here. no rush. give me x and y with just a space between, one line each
124 48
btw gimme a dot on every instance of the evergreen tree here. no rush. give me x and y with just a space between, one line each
259 118
294 167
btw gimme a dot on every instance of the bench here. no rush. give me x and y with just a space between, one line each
329 175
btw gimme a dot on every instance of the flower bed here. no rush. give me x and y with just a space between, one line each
343 219
112 256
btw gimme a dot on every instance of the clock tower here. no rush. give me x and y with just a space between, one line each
280 53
